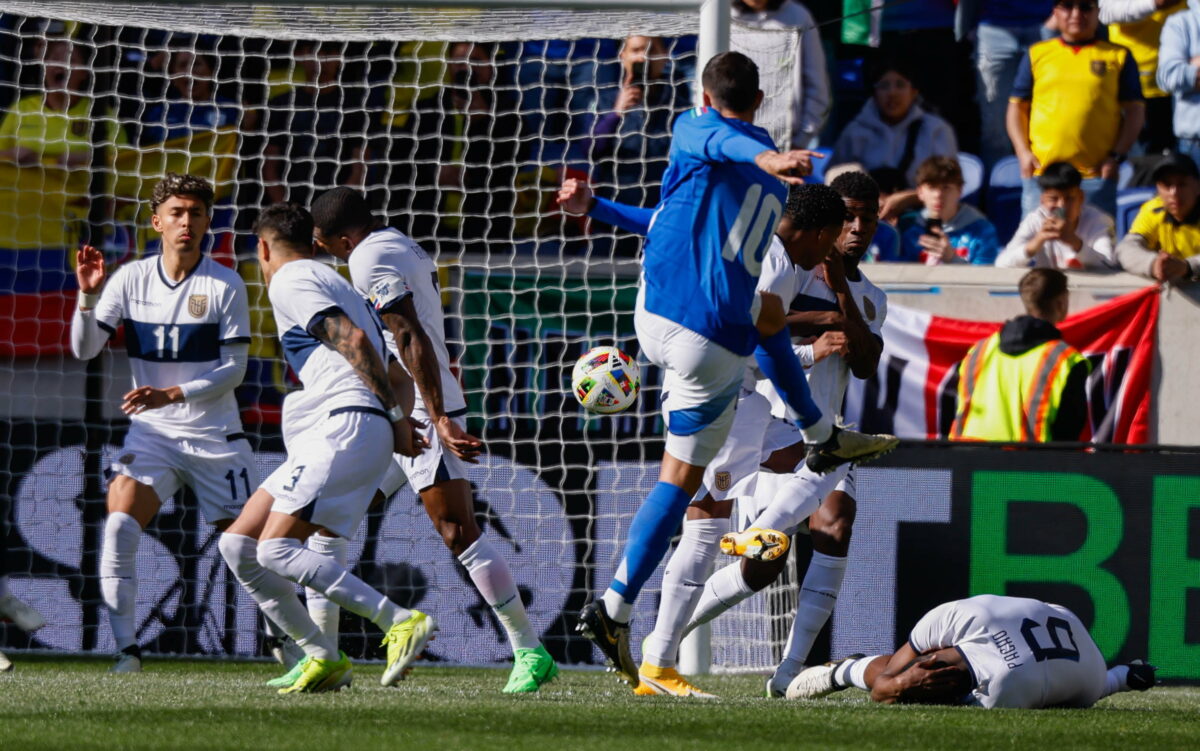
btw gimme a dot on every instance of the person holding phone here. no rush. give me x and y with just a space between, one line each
945 230
1064 231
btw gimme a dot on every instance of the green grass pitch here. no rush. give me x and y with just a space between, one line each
61 703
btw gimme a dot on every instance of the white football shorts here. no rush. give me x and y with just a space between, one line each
435 464
333 469
700 386
220 471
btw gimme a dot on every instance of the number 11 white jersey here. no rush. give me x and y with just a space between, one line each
173 333
1024 653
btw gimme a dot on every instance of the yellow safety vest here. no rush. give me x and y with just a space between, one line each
1011 398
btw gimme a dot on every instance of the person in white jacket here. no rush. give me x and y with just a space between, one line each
1064 231
811 99
892 130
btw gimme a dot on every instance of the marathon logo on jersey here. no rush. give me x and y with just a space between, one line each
723 480
1099 67
197 305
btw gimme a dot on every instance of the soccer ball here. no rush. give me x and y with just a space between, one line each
606 380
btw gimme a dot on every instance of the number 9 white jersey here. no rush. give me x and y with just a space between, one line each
1023 653
173 334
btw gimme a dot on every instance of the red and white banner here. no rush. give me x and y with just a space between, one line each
912 394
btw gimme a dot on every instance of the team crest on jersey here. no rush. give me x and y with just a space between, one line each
197 305
1099 67
868 309
723 480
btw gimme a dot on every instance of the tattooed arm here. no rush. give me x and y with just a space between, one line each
352 343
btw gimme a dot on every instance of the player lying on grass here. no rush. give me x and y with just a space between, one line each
700 318
400 280
836 317
352 423
988 651
187 332
815 220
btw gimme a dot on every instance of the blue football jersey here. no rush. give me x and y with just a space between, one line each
712 229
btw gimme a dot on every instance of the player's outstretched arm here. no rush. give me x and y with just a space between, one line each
220 380
576 198
87 335
790 166
417 352
351 342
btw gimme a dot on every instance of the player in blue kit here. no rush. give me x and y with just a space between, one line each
700 317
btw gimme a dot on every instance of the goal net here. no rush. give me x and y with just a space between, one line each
459 124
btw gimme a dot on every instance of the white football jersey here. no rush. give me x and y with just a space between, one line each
388 266
303 293
173 334
808 290
1023 653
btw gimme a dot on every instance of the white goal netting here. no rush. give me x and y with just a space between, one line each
458 124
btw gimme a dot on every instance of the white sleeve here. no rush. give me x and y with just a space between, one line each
876 326
91 329
1125 11
934 630
222 379
804 352
1099 244
235 313
382 284
1013 256
778 276
301 301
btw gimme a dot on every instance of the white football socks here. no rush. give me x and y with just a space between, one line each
854 673
290 559
1114 680
818 432
683 582
275 595
795 499
493 579
723 590
324 612
818 595
118 576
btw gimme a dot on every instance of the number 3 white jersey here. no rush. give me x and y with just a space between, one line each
173 333
388 266
1023 653
303 294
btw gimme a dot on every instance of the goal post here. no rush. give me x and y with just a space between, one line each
458 121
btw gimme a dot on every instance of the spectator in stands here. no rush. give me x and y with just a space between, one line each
1024 383
317 131
1136 25
1179 74
1065 232
1164 241
53 127
1006 30
631 133
46 146
558 80
892 130
1076 99
811 98
946 230
465 155
192 102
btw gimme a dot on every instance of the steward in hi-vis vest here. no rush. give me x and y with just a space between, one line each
1024 383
